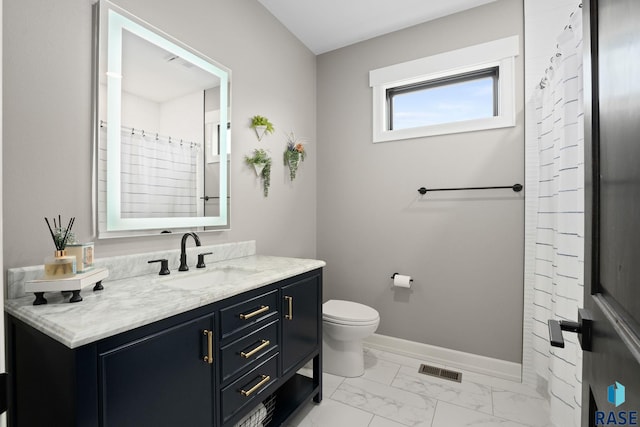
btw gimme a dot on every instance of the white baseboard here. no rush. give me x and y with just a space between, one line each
450 358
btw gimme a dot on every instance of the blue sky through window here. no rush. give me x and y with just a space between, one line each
454 102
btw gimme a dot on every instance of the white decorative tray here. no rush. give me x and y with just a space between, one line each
71 284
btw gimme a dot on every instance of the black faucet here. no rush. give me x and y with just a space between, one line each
183 253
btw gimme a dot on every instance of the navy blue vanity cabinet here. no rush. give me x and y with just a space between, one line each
300 345
249 355
44 377
301 319
162 379
209 366
155 375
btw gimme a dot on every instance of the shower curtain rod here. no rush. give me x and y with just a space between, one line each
158 137
515 187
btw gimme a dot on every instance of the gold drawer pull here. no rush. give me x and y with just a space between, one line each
290 315
261 310
265 379
209 357
265 344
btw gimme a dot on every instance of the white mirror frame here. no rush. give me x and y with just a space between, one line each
117 22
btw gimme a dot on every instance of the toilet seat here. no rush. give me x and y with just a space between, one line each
348 313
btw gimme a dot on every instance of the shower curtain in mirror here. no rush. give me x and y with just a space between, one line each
158 177
559 260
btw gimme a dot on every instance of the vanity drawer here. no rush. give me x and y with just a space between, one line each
248 350
250 388
247 313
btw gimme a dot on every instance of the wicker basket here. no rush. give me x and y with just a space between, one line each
261 415
270 405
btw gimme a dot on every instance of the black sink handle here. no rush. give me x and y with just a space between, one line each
201 260
164 266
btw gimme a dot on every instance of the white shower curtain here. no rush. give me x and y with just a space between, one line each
158 177
559 251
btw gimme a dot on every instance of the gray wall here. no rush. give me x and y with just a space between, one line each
464 250
47 112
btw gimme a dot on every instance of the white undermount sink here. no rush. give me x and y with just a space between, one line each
205 278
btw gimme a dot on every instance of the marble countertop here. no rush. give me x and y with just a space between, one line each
128 303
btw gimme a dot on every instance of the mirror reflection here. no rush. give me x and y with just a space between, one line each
163 137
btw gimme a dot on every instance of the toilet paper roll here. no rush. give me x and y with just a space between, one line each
402 281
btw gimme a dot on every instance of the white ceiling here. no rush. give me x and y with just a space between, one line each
324 25
152 73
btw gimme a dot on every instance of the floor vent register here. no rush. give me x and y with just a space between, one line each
446 374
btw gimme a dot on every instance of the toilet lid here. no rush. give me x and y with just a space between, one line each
348 311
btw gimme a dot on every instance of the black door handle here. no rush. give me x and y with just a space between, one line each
583 327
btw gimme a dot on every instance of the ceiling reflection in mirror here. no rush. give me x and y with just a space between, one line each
163 138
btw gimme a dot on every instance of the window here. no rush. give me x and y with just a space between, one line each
451 99
464 90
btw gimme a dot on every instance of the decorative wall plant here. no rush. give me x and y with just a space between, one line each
294 154
261 162
261 125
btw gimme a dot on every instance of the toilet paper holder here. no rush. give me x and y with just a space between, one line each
393 276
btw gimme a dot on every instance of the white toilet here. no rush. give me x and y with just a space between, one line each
345 324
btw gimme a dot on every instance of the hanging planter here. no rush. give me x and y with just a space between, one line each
261 162
294 154
261 125
259 167
260 131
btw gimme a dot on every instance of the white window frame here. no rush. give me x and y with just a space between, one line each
499 53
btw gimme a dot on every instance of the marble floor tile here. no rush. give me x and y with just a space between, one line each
449 415
392 393
385 401
383 422
468 394
329 382
330 413
497 383
379 370
525 409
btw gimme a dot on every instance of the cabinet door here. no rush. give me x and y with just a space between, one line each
300 320
159 380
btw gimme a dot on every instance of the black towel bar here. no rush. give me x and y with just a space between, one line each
515 187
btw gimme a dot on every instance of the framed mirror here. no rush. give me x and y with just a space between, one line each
162 133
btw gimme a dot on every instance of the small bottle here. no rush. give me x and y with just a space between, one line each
59 266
